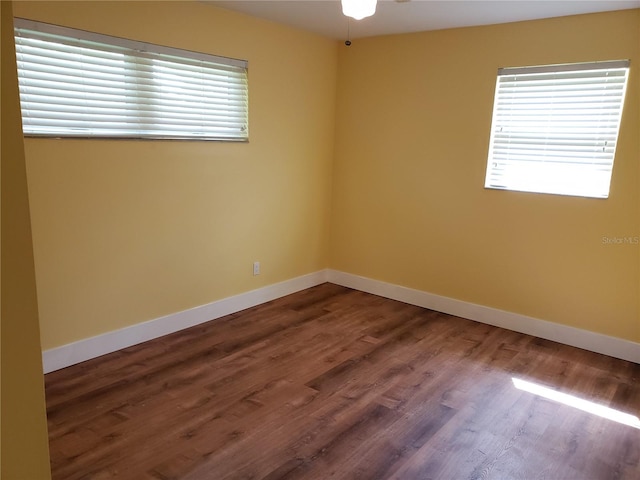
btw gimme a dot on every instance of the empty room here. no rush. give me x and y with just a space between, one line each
275 240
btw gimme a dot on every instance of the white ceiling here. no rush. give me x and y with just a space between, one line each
403 16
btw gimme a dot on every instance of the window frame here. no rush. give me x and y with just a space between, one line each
171 93
576 101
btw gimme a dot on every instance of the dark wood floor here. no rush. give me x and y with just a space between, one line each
332 383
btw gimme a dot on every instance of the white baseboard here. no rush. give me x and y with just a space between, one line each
72 353
86 349
595 342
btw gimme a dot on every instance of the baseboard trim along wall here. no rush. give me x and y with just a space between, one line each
76 352
576 337
70 354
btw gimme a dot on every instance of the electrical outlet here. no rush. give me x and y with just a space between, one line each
256 268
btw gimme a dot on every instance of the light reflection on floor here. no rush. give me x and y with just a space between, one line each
579 403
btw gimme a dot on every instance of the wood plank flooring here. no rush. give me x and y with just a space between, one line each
332 383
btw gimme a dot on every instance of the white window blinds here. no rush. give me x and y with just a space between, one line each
555 128
80 84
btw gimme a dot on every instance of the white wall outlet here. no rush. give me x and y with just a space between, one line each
256 268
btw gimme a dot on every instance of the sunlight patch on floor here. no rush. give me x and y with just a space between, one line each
579 403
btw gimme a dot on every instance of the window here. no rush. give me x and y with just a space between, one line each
555 128
80 84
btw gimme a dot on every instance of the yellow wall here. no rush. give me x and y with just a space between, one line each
127 231
25 449
413 121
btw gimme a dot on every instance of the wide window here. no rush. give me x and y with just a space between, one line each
555 128
80 84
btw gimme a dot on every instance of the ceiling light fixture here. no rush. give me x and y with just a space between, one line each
359 9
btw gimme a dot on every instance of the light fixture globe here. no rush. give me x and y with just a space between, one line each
359 9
